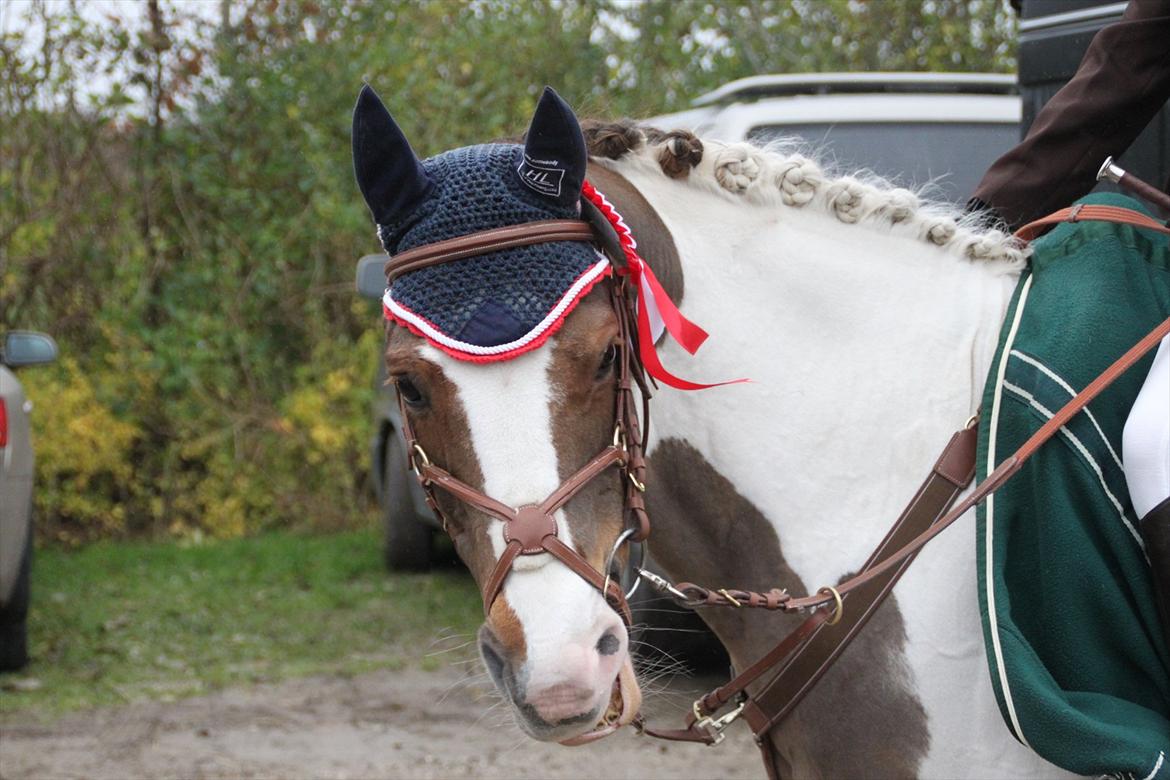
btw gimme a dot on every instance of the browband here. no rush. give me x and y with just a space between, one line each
524 234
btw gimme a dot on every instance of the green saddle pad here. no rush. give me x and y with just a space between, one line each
1076 653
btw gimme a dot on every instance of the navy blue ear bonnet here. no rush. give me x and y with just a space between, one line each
494 299
492 306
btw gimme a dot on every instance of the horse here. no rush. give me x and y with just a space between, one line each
865 317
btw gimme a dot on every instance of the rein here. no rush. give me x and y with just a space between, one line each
802 657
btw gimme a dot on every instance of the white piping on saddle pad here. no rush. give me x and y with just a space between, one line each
1084 451
989 569
1068 389
1145 442
1162 755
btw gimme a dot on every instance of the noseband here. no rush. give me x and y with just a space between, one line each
532 529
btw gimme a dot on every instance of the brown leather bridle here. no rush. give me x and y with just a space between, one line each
532 529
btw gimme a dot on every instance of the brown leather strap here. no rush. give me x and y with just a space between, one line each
525 234
951 473
807 652
610 588
696 728
495 582
602 461
1006 469
1090 212
436 476
524 530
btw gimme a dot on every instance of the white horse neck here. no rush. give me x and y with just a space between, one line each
866 346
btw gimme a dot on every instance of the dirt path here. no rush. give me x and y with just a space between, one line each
384 725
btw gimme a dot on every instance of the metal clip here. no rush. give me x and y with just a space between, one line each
716 726
663 585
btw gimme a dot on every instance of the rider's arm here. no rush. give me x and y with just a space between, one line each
1122 82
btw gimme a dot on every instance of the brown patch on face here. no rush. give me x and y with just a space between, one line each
582 413
861 719
655 244
508 631
442 429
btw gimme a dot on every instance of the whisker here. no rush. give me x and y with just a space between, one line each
676 630
449 649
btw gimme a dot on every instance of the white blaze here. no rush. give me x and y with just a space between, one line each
509 419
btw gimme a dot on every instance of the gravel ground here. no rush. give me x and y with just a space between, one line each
410 724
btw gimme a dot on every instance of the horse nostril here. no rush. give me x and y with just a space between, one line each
608 644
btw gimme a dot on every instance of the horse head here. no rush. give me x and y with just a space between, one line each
507 365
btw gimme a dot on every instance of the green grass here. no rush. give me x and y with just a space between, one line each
122 622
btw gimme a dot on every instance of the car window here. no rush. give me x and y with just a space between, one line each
956 154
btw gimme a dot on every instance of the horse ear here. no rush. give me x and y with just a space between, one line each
389 174
554 151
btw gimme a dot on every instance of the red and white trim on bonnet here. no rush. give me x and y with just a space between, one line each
656 311
462 350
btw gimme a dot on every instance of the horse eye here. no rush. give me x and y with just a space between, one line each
409 392
607 360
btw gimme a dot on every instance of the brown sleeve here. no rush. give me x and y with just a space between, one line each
1122 82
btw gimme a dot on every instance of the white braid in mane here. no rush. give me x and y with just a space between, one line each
777 176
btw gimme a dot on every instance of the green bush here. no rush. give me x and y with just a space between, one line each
85 473
188 233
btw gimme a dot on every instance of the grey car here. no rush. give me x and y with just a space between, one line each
21 348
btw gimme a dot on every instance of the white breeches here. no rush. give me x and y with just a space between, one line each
1145 443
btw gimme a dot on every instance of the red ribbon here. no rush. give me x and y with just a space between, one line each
689 335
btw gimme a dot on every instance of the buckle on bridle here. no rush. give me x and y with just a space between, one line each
664 586
716 726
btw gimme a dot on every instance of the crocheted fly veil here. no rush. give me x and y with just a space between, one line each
497 305
492 306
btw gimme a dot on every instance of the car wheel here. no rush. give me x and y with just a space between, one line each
14 616
407 540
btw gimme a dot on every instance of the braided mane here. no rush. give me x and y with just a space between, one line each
778 176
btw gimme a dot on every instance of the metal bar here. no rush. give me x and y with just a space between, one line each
1111 171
